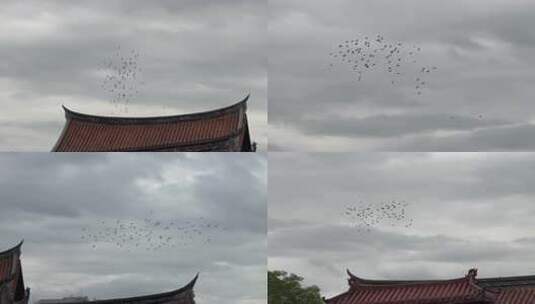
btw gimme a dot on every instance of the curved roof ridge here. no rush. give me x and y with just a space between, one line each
182 289
355 281
336 297
413 292
70 114
507 278
12 249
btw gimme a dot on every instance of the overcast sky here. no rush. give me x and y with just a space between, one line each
469 210
47 199
196 55
479 99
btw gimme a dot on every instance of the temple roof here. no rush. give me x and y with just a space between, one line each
183 294
224 129
10 251
460 290
468 289
11 278
497 282
9 263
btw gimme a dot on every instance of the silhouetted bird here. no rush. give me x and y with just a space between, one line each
395 57
366 216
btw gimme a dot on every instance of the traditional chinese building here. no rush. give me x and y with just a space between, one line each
465 290
224 129
12 289
183 295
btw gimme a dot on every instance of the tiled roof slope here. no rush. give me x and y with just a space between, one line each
12 289
223 129
9 260
469 289
461 290
184 295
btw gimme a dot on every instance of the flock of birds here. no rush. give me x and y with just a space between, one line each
150 234
123 77
397 59
364 217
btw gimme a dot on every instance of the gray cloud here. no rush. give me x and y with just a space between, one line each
195 56
504 138
483 51
46 199
391 126
469 210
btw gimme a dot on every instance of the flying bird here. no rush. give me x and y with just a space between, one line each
149 233
122 80
395 58
364 217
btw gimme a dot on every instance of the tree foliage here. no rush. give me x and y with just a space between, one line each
284 288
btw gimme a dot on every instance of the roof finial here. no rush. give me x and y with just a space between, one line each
353 280
192 282
246 98
472 273
16 248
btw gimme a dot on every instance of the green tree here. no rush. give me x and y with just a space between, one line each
284 288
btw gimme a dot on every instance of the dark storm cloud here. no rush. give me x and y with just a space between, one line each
469 210
483 51
195 56
47 199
